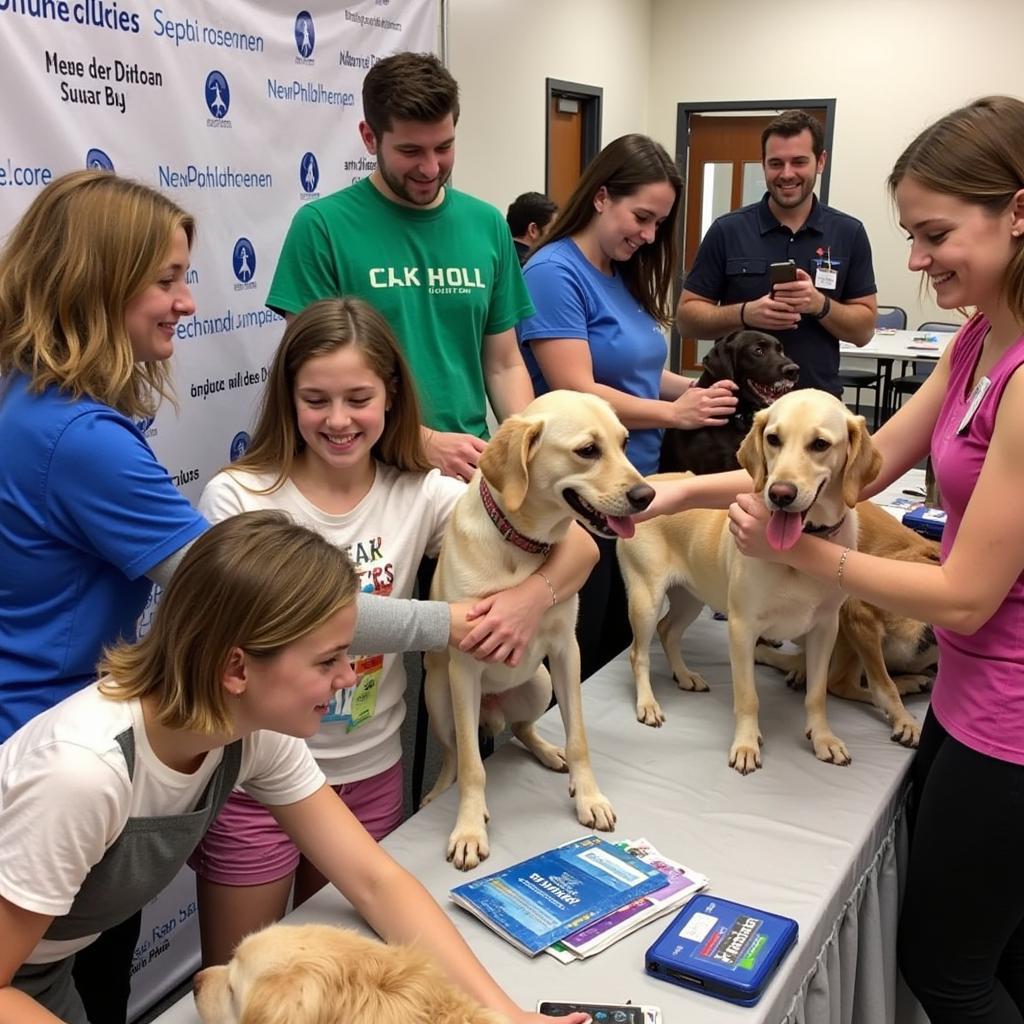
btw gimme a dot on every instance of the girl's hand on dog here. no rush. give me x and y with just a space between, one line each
705 407
502 625
569 1018
748 519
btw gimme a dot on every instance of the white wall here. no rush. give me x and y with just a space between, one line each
893 67
501 51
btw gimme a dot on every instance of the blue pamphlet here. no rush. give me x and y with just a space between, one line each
725 949
542 899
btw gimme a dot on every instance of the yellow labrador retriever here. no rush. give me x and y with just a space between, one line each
561 459
316 974
809 458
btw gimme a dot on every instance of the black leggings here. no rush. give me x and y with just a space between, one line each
961 934
602 627
103 970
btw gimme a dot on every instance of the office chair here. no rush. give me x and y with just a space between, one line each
909 383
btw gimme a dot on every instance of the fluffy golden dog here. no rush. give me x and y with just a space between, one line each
316 974
895 654
809 458
561 460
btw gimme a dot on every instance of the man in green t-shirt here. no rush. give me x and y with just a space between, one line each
439 264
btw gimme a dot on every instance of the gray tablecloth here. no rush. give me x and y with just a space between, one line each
818 843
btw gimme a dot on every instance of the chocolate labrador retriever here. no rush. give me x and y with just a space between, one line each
762 372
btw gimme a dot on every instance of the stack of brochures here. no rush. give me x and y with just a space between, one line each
683 885
553 894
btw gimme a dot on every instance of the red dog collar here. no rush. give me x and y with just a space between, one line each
505 528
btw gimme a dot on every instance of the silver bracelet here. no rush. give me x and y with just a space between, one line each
841 567
554 597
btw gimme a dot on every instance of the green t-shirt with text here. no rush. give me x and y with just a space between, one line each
443 278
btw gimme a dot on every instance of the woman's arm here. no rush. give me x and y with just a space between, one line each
676 492
509 619
21 931
986 559
389 899
567 363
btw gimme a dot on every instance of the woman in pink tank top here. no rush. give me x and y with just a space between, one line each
959 188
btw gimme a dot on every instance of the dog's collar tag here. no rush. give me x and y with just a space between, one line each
505 528
977 395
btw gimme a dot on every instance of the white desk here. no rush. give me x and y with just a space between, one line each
810 840
886 348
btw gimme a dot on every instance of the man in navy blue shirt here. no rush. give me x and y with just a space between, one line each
833 296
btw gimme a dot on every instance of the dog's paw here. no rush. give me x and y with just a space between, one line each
692 681
911 684
467 847
797 680
745 758
650 713
551 757
596 812
829 748
906 731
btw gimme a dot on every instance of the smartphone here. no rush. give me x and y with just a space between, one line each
602 1013
780 273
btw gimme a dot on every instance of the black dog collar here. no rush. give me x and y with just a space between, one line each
505 528
828 532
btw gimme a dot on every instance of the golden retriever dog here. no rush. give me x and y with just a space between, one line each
316 974
561 460
808 457
895 654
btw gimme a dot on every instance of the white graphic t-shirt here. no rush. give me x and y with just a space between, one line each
401 518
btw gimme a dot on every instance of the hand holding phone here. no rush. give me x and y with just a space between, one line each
781 273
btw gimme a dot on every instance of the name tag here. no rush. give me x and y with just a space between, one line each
972 406
825 278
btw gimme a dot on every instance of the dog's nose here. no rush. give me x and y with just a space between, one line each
640 496
782 494
791 372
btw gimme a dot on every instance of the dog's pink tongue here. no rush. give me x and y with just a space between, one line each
622 526
783 530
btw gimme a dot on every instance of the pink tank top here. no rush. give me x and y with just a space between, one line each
979 692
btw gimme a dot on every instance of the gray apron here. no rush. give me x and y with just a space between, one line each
139 865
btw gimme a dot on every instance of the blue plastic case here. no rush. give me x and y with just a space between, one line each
727 950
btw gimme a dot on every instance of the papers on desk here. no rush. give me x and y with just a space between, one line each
924 343
683 885
915 514
546 897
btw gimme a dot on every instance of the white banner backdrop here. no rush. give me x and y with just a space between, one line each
240 112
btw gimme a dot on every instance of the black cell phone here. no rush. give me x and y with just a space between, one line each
780 273
600 1013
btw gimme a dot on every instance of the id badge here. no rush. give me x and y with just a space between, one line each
825 278
356 705
972 406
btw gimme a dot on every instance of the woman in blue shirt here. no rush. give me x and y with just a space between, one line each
601 287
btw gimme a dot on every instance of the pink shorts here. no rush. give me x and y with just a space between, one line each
246 846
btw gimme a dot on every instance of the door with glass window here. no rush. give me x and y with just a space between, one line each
724 172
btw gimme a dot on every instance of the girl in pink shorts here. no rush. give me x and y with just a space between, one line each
338 447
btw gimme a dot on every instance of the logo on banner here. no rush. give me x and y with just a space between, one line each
305 37
243 260
309 175
218 100
239 445
97 160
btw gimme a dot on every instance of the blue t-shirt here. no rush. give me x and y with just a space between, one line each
574 299
85 511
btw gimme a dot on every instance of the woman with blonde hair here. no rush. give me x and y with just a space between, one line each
105 795
92 285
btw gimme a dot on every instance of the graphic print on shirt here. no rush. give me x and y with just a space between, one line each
437 280
356 705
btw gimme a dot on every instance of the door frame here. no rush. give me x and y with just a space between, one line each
593 100
684 111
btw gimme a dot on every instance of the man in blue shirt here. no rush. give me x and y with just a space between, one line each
833 296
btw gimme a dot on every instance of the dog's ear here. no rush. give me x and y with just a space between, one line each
505 462
720 362
863 460
751 452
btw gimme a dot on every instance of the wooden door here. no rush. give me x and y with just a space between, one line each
565 127
724 172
